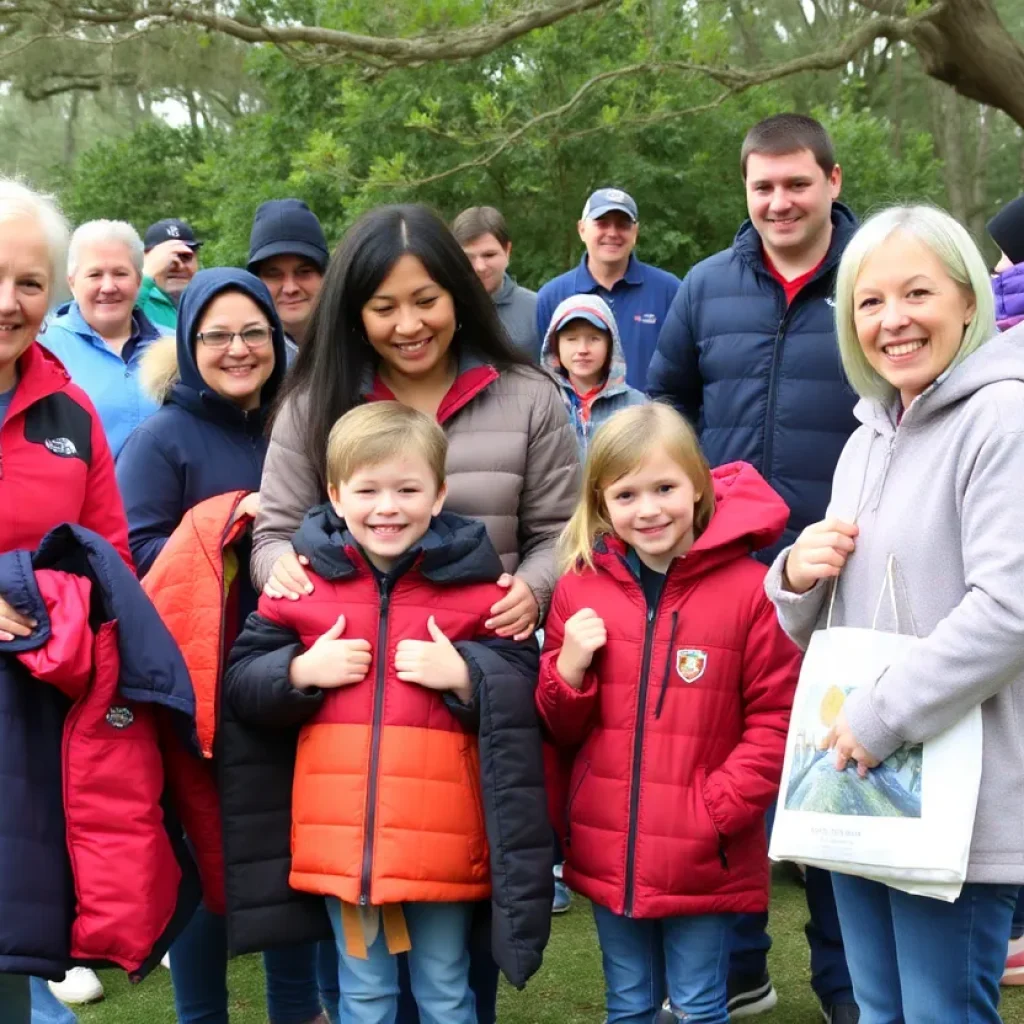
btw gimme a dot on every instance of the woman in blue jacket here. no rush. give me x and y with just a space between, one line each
216 383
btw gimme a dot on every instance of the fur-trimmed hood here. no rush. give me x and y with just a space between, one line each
158 369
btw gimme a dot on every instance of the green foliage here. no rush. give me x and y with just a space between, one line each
483 132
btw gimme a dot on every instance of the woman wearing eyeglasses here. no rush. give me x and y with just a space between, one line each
216 383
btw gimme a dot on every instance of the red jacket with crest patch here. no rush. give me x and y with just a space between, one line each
680 726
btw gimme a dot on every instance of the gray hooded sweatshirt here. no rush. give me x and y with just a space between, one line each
944 493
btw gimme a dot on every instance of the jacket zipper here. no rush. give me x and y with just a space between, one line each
773 389
571 801
370 815
638 741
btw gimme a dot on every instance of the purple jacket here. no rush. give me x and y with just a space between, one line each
1009 292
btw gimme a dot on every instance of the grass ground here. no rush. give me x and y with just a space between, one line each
567 990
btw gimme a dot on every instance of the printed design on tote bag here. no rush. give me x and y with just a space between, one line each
892 790
690 664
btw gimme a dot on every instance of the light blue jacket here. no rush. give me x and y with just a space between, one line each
616 393
110 382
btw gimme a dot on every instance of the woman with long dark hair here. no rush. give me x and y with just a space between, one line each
403 316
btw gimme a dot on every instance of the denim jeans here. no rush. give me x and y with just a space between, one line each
15 999
830 977
691 954
483 980
916 960
1017 931
199 970
327 979
46 1007
438 968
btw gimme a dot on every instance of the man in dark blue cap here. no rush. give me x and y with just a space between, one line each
288 253
639 295
170 262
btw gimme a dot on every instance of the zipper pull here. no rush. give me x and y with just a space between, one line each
721 855
650 614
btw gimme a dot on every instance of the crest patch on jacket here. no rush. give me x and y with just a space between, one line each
690 664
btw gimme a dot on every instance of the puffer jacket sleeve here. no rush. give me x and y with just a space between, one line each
153 488
567 713
256 684
739 790
288 490
674 373
521 657
550 489
515 811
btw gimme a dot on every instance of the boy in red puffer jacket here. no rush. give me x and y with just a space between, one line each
665 667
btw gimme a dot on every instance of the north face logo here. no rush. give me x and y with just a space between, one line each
63 446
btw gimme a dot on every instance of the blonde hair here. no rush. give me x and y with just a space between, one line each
617 448
951 244
378 431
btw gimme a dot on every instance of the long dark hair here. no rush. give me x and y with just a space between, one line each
332 364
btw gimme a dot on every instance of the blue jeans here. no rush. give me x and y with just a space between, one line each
438 968
1017 931
483 980
691 954
830 977
915 960
199 971
46 1007
15 999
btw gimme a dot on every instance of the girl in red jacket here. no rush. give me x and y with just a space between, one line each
665 670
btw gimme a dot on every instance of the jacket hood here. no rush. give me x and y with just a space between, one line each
190 389
1000 359
455 550
844 224
749 515
596 306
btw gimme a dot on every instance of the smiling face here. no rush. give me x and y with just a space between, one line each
387 507
25 281
789 198
105 285
609 239
490 260
909 314
583 352
651 509
294 284
236 371
410 321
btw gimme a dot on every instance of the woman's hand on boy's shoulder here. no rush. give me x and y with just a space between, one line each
288 577
585 634
516 614
332 662
434 663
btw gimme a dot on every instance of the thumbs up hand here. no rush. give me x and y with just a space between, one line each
434 664
331 662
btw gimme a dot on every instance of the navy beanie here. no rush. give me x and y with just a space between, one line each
1007 229
287 227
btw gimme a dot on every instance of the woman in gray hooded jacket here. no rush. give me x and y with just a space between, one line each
934 479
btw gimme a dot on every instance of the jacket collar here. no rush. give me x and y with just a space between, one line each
507 289
585 281
40 374
748 246
69 316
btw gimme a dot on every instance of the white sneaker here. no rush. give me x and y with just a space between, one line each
80 985
165 961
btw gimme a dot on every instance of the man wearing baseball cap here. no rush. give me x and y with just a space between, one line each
288 253
639 295
171 261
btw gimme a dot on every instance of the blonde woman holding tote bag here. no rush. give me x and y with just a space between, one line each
933 483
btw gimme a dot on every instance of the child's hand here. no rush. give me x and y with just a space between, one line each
435 664
331 662
584 636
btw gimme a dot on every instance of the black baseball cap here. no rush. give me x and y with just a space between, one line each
170 229
286 227
1007 229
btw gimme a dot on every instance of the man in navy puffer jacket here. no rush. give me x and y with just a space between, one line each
748 354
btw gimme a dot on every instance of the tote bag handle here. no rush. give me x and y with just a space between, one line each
888 587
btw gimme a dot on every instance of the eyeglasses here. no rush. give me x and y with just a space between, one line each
252 337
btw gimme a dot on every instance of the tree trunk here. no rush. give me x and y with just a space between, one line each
70 140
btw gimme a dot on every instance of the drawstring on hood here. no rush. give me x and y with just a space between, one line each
169 371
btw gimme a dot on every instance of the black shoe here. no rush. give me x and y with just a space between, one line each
666 1016
750 994
841 1013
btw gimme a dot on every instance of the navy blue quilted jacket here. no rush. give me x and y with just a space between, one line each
761 382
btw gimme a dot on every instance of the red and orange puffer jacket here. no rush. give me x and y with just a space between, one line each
680 725
387 804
